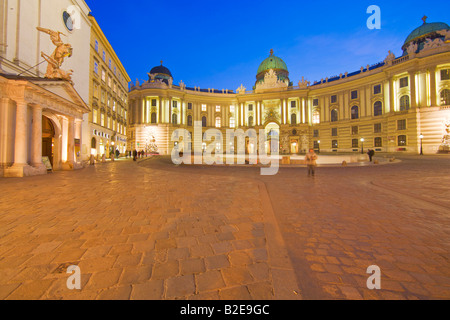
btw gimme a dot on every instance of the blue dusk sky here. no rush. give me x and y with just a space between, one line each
220 44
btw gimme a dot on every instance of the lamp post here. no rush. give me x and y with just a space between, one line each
362 145
421 144
318 146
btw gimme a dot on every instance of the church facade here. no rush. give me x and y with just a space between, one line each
399 105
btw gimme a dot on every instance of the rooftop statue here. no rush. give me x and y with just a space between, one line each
56 60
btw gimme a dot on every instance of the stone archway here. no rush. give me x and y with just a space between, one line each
272 130
56 141
48 136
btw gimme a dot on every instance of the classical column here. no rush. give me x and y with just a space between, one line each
71 141
36 143
413 89
20 148
433 86
391 95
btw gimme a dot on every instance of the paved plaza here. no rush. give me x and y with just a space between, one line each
152 230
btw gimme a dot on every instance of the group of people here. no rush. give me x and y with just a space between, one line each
136 154
311 160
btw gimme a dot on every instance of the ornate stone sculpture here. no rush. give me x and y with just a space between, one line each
431 44
446 34
241 89
445 145
56 60
271 81
389 57
412 48
303 84
182 85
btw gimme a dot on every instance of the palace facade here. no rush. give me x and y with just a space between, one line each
397 105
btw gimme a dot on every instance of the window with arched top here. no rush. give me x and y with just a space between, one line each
404 103
174 118
378 108
153 118
189 121
94 143
204 122
445 97
334 115
218 122
250 121
293 118
355 112
316 117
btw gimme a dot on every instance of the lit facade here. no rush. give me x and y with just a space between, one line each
108 97
385 107
42 117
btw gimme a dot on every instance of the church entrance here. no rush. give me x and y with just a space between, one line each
272 132
48 138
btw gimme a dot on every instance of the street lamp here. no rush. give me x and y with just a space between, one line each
318 146
421 144
362 145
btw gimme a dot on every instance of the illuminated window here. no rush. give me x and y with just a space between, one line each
94 116
334 144
402 141
378 142
102 119
109 123
218 122
232 109
315 117
203 107
217 108
232 123
103 75
445 97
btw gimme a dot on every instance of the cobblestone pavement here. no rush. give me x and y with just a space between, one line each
344 220
156 231
139 233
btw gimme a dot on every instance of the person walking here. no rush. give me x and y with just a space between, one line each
135 154
371 153
311 162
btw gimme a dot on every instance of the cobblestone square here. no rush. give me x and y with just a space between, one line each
152 230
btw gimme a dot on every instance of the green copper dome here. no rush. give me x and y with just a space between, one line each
272 62
426 29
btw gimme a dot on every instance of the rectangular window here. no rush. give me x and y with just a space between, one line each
377 128
316 145
217 108
378 142
250 107
94 116
189 106
334 132
445 74
102 119
401 124
315 102
232 109
218 123
316 134
402 141
334 144
153 102
232 123
355 143
110 64
109 122
175 104
104 56
293 104
96 67
333 99
203 107
96 45
404 82
377 89
355 130
103 75
354 94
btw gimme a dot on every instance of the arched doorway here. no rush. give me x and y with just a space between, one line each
48 138
272 132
